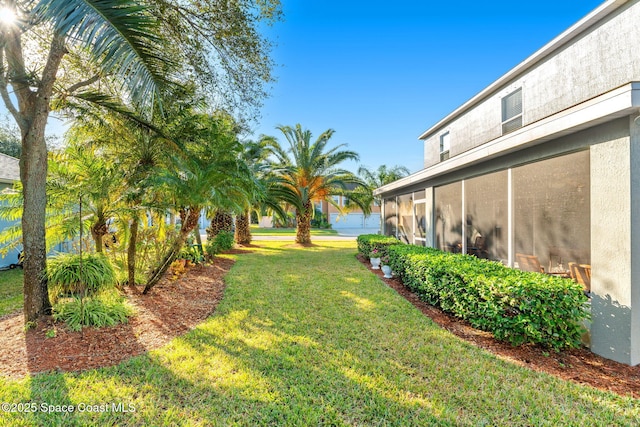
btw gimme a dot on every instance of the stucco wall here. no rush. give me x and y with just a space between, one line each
603 58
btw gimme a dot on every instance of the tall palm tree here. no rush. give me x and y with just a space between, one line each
309 172
382 176
263 195
120 37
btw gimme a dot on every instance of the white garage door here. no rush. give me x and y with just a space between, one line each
351 220
372 221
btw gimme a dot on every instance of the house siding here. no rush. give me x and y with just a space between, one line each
581 129
603 57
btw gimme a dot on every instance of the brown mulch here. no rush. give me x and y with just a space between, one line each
577 365
171 308
175 307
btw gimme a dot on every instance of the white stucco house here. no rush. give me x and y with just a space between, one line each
545 162
9 173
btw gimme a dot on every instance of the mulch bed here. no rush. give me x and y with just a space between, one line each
172 308
175 307
577 365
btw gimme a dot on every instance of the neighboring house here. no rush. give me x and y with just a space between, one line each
545 162
352 217
9 173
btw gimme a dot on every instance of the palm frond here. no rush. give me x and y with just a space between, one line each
121 35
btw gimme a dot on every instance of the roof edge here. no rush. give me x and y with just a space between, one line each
595 16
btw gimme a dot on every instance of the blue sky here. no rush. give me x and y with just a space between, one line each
381 73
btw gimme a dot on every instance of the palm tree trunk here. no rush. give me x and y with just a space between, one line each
131 250
303 230
221 221
190 217
98 231
243 229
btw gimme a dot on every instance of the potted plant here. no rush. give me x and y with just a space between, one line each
374 257
386 269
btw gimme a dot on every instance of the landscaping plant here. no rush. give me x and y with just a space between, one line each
516 306
106 309
72 273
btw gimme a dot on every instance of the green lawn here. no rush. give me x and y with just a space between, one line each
290 232
307 337
11 295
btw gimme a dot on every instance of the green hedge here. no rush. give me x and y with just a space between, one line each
516 306
369 242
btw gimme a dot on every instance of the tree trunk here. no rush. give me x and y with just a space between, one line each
243 229
33 174
98 230
221 221
31 116
196 231
303 230
131 250
190 217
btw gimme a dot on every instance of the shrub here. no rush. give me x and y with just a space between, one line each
105 309
516 306
222 242
69 273
192 253
367 243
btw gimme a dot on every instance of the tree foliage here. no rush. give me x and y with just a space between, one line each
309 172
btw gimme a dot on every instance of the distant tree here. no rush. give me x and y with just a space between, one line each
382 176
309 172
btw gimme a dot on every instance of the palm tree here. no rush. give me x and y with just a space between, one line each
382 176
263 195
120 37
206 168
376 179
309 172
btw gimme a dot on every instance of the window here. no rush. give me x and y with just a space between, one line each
444 146
512 111
336 200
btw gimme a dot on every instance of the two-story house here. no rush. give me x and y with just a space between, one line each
545 162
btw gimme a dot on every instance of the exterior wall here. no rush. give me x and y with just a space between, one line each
615 237
605 57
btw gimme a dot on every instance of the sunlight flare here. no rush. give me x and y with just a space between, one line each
7 16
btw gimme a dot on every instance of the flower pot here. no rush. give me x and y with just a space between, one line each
387 271
375 263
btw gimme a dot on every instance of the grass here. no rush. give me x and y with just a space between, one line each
307 337
11 293
256 231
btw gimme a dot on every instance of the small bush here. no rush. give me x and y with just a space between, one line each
192 253
516 306
222 242
367 243
106 309
69 273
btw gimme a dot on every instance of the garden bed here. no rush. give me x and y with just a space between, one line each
579 365
171 309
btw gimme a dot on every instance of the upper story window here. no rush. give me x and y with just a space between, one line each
336 200
512 111
445 145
